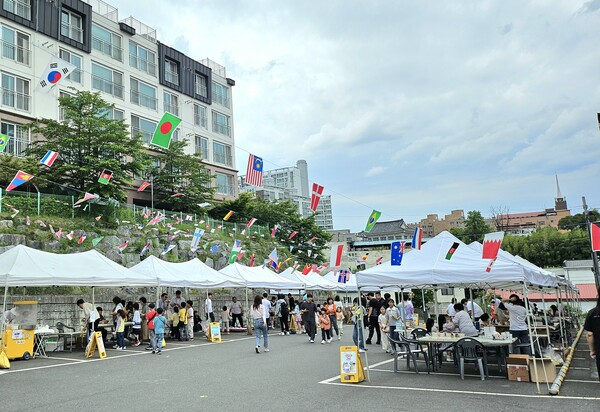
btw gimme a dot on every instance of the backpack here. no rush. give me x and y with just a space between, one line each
283 309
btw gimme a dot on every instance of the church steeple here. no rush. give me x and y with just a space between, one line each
560 203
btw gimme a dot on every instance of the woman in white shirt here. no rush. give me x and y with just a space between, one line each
517 320
260 323
463 321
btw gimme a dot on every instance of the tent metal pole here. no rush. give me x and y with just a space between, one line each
435 300
4 305
472 304
402 308
93 295
560 319
424 306
545 316
531 331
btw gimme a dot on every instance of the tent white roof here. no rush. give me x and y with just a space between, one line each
192 273
24 266
259 277
429 267
312 281
349 286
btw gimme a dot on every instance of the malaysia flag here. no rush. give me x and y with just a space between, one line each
49 158
317 191
254 172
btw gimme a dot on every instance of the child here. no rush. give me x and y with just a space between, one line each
183 322
120 329
225 320
339 315
136 329
174 320
159 331
325 326
298 315
190 320
383 325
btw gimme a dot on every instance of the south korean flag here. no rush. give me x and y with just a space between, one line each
57 70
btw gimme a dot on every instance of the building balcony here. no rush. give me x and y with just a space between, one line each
107 48
16 100
107 86
222 159
223 129
17 53
143 100
201 121
221 100
146 136
201 90
225 190
71 31
172 77
171 108
142 64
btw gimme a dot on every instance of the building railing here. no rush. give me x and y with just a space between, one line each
107 86
221 128
172 77
141 28
225 190
143 100
11 98
146 135
222 159
104 9
71 31
142 64
220 99
201 90
19 7
171 108
19 54
200 120
109 49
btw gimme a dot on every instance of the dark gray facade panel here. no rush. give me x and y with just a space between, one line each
126 28
18 19
187 70
85 11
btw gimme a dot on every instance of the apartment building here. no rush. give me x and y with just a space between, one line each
128 65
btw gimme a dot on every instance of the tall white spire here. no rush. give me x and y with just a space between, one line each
558 193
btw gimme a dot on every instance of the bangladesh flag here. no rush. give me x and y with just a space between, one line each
372 220
164 130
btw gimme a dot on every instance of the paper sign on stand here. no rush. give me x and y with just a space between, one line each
214 332
96 342
351 367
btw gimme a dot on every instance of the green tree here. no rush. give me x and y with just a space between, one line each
475 227
181 173
578 220
89 142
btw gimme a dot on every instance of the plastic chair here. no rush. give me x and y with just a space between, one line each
403 348
471 350
418 333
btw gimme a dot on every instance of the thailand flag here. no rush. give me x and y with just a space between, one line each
417 238
49 158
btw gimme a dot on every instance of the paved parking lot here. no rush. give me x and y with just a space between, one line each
294 375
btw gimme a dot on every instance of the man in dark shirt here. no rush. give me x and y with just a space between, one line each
374 306
309 309
592 327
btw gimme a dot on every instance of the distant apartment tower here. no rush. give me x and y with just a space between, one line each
124 61
291 183
432 225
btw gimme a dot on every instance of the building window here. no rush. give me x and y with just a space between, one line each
61 111
107 42
222 154
21 8
200 118
221 123
142 126
171 103
113 114
15 45
447 291
15 92
71 25
202 147
75 60
224 184
200 84
143 94
107 80
19 138
142 59
171 72
220 94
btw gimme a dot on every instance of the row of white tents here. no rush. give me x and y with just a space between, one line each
425 268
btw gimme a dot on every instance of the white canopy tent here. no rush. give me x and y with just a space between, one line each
429 267
259 277
349 286
312 280
193 274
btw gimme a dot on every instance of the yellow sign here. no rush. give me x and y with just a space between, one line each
96 342
214 332
351 367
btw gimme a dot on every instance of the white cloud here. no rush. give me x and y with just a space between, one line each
375 170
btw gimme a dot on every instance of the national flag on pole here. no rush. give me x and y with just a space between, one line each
294 233
250 223
274 231
397 253
228 215
252 260
317 191
143 186
145 248
164 130
343 276
196 239
254 172
123 246
491 245
48 158
595 233
97 240
417 238
235 250
3 141
56 70
105 177
452 249
20 178
273 255
168 249
335 259
81 238
87 196
372 220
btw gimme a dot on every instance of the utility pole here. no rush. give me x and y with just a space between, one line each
594 256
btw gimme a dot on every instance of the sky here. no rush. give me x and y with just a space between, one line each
406 107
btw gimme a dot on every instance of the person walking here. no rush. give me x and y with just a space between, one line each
325 323
331 309
282 311
374 305
592 328
160 322
266 303
237 312
150 319
383 325
309 311
260 323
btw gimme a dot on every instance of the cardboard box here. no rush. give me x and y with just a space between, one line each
519 373
546 371
517 359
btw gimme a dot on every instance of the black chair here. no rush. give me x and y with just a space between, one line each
471 350
418 333
402 347
68 339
